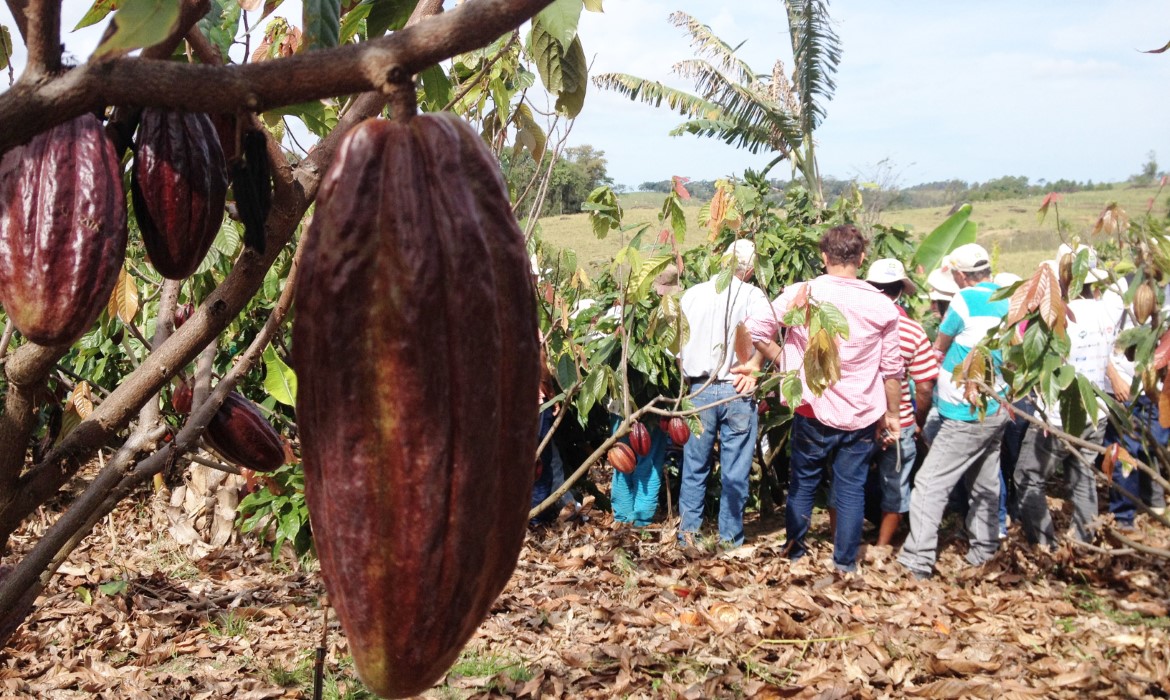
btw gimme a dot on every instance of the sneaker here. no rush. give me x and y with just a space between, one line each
1158 510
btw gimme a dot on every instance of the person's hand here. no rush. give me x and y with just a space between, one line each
1120 391
889 429
744 379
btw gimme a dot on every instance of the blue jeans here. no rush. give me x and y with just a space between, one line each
1138 483
816 447
734 425
895 475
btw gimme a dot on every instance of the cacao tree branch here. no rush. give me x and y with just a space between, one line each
1147 549
212 464
18 9
6 339
29 108
26 373
44 37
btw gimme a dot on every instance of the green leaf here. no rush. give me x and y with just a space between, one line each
644 277
593 390
352 22
97 12
319 117
386 15
220 24
560 20
792 390
140 23
833 320
548 55
949 235
279 380
593 5
1088 397
575 75
114 587
5 47
322 23
437 88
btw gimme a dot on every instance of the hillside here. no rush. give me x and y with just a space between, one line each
1010 228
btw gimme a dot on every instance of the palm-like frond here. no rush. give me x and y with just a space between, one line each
705 43
816 52
654 93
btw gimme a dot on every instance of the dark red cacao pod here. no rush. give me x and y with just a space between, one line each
179 185
181 398
418 448
622 458
182 313
240 433
679 431
640 439
62 230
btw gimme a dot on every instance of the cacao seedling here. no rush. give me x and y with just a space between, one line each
640 439
62 230
240 433
418 448
1145 302
679 431
621 457
178 185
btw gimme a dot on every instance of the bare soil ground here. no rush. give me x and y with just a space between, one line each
597 610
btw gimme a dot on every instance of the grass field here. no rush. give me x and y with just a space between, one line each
1009 228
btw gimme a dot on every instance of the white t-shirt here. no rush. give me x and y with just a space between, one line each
712 317
1091 336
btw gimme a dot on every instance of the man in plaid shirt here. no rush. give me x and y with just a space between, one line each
839 429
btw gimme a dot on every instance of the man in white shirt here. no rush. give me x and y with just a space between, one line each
707 358
1091 332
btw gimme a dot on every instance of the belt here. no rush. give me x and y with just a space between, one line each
702 379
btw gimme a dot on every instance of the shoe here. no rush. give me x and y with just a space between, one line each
916 574
1158 510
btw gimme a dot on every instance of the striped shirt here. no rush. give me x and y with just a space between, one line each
921 364
971 315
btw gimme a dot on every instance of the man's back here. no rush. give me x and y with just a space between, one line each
972 313
712 316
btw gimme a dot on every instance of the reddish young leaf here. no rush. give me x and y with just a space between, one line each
1164 403
1048 199
1162 352
1022 300
678 182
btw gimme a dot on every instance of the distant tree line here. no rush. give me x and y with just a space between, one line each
576 172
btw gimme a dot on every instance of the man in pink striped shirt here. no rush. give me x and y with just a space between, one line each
839 428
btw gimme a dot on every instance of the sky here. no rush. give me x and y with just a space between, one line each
926 90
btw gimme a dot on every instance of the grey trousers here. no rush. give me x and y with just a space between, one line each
961 450
1039 455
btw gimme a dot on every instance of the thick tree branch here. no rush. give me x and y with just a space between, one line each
18 9
44 37
31 107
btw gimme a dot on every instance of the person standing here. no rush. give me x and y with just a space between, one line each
707 359
837 430
896 461
966 447
1091 332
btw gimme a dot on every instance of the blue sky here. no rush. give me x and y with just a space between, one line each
936 90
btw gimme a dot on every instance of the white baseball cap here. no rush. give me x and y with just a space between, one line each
887 271
970 257
941 284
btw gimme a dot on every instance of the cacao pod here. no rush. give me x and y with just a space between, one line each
419 500
181 398
621 457
251 175
240 433
182 313
62 230
1145 302
178 185
640 439
1150 382
1066 272
679 431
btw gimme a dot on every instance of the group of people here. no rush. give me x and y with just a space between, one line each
894 400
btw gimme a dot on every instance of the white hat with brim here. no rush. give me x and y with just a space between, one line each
887 271
941 285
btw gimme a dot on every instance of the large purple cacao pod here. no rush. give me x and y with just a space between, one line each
62 230
243 435
179 184
416 350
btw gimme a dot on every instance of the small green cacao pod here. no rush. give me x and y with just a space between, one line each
178 185
240 433
62 230
418 447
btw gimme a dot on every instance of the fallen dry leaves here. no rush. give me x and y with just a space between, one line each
598 611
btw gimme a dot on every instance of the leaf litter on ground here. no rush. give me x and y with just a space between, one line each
597 609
